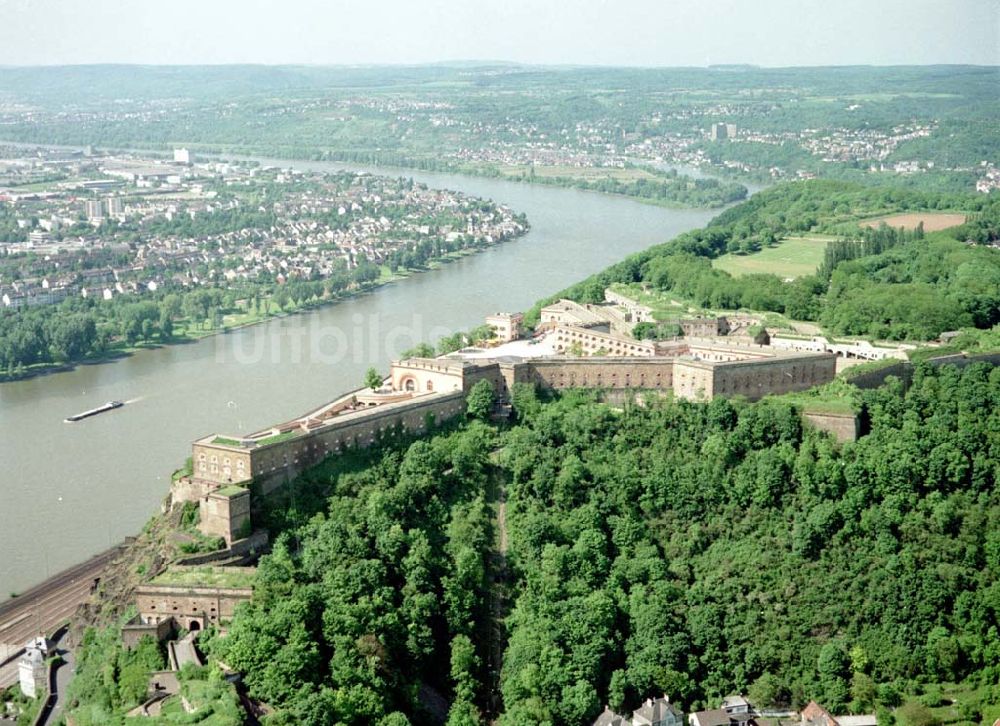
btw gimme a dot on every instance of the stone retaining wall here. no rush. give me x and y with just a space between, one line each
842 426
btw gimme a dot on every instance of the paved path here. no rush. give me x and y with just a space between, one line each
502 523
63 675
498 596
183 651
59 677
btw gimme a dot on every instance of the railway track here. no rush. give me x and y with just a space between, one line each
43 608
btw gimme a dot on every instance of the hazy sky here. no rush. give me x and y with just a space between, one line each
615 32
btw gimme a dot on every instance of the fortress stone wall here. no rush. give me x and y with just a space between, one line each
437 389
220 463
904 369
135 630
188 605
591 342
225 513
421 391
755 379
843 427
269 465
623 373
272 464
427 375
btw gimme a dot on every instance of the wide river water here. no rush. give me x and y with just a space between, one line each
70 490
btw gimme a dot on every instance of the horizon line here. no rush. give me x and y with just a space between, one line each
477 63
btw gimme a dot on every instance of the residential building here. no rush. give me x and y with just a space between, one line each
657 712
610 718
506 326
734 710
115 206
653 712
95 211
720 717
815 715
31 667
735 704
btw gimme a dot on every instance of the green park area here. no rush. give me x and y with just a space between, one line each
791 257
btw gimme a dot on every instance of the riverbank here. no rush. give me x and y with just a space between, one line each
532 177
542 176
238 321
638 182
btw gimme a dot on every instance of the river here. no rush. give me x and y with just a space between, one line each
70 490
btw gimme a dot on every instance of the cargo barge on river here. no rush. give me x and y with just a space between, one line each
109 406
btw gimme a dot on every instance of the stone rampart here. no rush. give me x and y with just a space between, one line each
760 377
428 375
225 513
843 427
904 369
135 630
874 379
436 391
191 488
961 360
269 465
590 342
694 379
732 350
244 550
273 464
621 373
216 461
188 605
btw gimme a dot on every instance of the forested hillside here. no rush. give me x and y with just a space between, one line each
878 282
359 610
701 549
687 548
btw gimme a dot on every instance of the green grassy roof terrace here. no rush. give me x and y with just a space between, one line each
206 576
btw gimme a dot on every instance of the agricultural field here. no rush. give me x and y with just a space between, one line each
933 221
791 257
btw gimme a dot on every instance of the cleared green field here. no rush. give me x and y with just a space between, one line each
792 257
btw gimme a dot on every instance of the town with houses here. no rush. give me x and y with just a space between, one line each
684 135
99 227
598 146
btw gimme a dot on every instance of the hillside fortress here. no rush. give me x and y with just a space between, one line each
574 347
